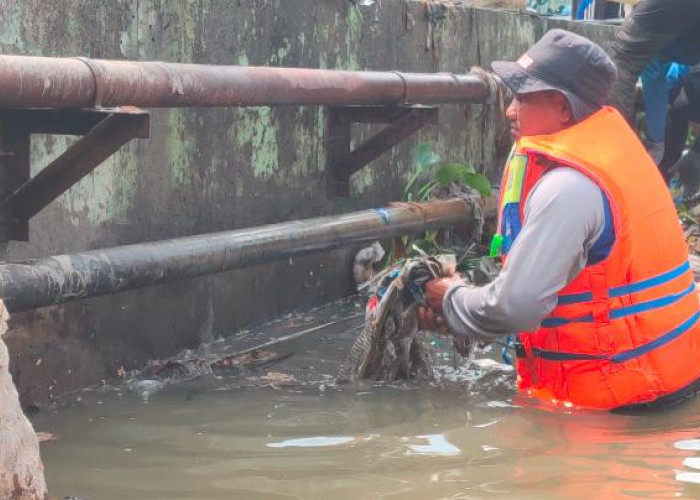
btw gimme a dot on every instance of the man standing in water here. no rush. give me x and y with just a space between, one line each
596 277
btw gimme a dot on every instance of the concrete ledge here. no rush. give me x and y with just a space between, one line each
21 470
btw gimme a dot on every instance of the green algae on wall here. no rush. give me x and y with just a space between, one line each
181 146
305 147
352 39
278 58
254 127
321 120
105 194
242 59
189 23
11 36
64 28
302 42
362 180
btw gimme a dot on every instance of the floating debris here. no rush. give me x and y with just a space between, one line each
44 437
390 346
278 378
235 364
145 388
365 260
312 442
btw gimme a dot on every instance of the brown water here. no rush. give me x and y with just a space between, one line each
256 436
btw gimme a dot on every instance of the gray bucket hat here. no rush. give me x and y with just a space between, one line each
564 62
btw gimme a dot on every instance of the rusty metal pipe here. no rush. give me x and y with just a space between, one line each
45 82
63 278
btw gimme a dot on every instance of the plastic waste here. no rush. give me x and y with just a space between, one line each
676 189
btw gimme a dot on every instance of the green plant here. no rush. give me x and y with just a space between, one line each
424 160
462 173
685 216
693 137
429 174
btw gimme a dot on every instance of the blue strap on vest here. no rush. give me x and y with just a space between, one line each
601 248
510 225
504 350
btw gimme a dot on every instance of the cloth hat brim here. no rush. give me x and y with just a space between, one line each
521 81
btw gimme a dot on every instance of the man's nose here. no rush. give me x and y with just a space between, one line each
512 111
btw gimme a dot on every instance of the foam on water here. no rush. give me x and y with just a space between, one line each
437 445
687 444
312 442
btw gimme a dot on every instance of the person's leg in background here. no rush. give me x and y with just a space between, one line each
655 95
685 109
676 131
676 122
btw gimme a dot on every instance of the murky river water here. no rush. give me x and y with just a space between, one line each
285 431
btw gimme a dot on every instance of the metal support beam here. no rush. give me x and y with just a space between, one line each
63 278
56 121
338 143
388 138
14 171
108 130
342 162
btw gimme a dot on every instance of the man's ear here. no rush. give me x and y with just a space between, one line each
565 113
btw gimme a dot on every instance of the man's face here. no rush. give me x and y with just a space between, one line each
538 113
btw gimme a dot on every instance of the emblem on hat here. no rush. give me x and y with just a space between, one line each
525 61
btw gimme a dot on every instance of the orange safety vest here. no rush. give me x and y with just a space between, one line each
625 330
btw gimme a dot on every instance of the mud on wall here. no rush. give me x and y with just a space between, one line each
207 170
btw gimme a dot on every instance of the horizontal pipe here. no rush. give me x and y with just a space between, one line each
62 278
45 82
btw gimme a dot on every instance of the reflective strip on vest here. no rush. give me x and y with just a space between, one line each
514 182
624 355
621 312
555 321
619 291
509 225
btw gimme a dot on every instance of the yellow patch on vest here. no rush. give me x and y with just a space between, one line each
514 180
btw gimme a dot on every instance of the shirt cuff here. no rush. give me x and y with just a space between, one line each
452 318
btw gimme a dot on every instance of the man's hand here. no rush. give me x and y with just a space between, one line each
428 320
430 317
436 289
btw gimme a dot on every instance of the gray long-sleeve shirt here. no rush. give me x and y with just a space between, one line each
564 216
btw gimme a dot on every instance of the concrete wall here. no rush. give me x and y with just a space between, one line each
214 169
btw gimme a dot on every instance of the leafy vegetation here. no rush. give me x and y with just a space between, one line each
429 177
685 215
430 173
693 136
